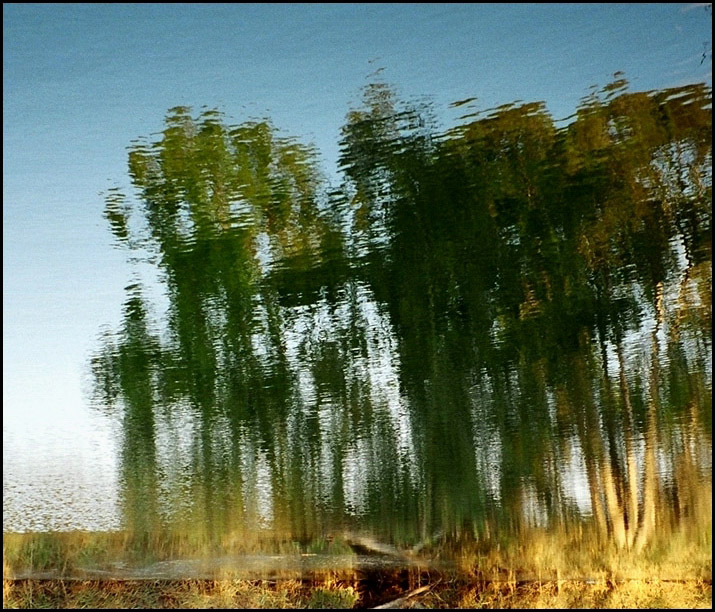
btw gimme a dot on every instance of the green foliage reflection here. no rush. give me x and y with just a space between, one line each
502 326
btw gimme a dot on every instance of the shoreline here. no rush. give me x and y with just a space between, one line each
539 570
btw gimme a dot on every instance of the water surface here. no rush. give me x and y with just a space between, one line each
463 333
500 326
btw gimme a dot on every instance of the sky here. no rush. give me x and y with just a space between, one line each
81 81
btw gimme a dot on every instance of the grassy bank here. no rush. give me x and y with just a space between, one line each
65 551
454 593
540 555
540 569
534 555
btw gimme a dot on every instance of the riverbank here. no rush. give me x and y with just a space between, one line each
393 592
542 569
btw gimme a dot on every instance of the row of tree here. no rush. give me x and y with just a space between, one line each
440 343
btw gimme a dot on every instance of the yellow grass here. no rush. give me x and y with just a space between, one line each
204 594
565 568
577 554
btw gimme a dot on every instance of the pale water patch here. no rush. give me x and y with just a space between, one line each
71 485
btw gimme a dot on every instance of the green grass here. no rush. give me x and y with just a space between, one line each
63 552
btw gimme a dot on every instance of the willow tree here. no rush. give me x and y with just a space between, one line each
497 270
511 250
216 207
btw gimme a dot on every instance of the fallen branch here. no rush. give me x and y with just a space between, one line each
400 601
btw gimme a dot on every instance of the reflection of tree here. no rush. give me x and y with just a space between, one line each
423 347
526 252
129 373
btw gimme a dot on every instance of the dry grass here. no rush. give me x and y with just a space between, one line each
577 594
541 569
197 594
191 594
577 555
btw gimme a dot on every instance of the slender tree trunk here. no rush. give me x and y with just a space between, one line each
631 464
589 434
650 487
596 502
615 509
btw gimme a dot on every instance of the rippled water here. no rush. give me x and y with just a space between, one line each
504 325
